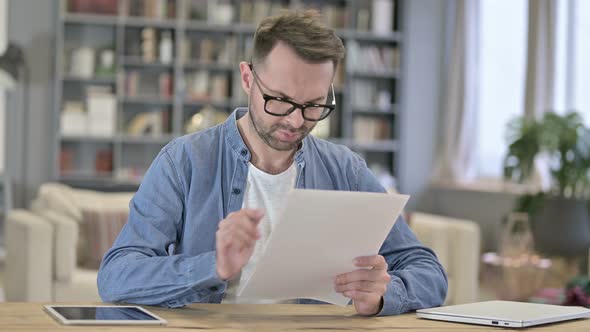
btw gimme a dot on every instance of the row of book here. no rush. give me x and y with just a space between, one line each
208 50
370 129
371 95
203 85
69 160
376 15
372 58
226 12
143 84
157 9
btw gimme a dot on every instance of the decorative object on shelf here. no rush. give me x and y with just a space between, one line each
205 118
166 47
382 17
148 45
82 63
559 212
384 100
147 123
220 12
106 65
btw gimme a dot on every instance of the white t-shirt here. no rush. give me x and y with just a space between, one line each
268 192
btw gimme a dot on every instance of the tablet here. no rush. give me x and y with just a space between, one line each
103 315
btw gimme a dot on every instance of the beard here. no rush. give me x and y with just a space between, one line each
266 133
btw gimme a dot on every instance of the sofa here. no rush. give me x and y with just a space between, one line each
46 248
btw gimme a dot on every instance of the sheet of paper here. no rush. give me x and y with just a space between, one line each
317 238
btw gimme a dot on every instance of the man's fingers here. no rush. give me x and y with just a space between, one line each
235 237
363 275
240 221
247 226
254 214
364 286
377 262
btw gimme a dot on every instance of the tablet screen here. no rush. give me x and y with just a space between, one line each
103 313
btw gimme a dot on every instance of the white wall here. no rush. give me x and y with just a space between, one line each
423 48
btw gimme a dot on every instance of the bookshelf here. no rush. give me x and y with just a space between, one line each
131 75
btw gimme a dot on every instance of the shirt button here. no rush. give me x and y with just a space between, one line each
244 152
214 288
237 191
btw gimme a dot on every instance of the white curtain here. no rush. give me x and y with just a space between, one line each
549 76
550 68
457 158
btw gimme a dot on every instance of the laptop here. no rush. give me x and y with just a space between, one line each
504 313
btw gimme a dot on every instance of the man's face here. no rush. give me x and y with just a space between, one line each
284 74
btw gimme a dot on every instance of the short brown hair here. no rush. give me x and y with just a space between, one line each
304 31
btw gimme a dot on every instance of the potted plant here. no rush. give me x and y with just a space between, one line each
559 212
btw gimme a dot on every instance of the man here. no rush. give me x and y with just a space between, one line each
207 205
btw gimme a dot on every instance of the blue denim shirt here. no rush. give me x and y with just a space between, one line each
165 254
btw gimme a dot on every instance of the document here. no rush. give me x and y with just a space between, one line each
317 238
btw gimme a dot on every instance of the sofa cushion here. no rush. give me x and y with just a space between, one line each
100 228
68 201
65 239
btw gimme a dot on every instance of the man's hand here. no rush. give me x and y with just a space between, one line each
365 286
235 241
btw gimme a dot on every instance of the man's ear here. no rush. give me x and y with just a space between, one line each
246 77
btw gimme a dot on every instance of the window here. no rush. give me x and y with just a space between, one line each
581 58
503 40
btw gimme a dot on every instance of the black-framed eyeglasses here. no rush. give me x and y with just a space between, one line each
280 106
